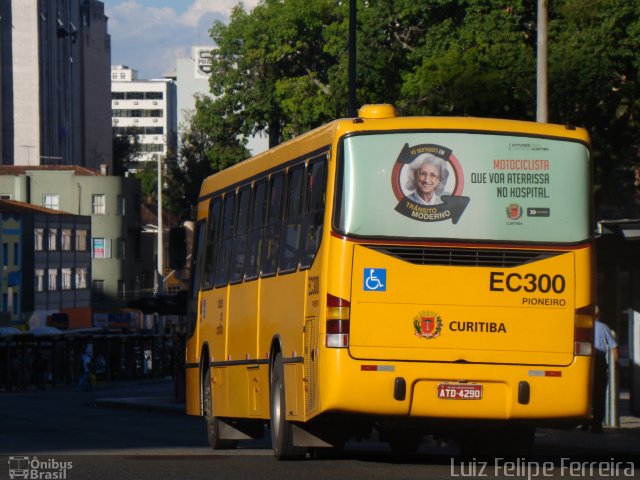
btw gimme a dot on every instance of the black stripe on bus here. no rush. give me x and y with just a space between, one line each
235 363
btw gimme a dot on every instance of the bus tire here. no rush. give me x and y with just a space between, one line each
281 428
212 422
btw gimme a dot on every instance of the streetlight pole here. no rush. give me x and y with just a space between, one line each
160 256
352 59
541 109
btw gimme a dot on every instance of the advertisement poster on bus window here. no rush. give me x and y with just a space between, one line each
475 186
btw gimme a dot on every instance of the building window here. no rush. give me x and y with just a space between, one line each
53 239
39 280
5 196
51 200
98 288
15 303
81 278
66 240
121 205
81 240
121 245
5 254
16 253
38 238
53 279
101 248
98 204
5 302
66 279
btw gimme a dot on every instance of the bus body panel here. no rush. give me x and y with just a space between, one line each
282 314
367 387
242 325
466 314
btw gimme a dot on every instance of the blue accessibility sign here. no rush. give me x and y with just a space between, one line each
375 280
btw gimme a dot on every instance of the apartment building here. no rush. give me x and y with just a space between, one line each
113 205
54 100
145 108
46 266
192 79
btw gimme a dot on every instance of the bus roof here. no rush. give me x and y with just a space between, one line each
378 118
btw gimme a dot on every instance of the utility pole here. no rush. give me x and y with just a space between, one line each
352 59
160 256
542 102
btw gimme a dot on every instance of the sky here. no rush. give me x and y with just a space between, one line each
149 35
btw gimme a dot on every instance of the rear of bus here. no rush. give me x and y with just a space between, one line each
469 306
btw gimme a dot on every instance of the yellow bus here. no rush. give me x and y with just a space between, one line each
397 275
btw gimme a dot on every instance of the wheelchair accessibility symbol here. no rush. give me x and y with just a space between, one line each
375 280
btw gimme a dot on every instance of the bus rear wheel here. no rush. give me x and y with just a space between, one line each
281 428
212 422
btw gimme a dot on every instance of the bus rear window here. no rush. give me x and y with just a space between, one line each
464 186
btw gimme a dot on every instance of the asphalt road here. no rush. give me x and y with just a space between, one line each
61 432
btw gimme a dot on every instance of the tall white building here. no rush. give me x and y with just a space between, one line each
54 110
192 78
145 108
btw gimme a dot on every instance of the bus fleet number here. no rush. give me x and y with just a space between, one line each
529 282
314 285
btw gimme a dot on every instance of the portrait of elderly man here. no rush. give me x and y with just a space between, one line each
427 178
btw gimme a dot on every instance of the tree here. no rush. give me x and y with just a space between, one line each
272 70
593 70
282 68
148 176
186 172
125 149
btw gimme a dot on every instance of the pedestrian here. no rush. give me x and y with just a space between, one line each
85 384
603 343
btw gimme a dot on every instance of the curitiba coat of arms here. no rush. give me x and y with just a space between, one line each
427 324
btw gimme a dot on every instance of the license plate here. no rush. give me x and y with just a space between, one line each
458 391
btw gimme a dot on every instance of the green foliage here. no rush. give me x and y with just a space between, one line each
209 145
282 69
125 149
148 176
593 82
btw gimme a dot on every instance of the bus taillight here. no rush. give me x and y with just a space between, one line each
583 332
337 327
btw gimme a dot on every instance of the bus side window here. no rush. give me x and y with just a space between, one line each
212 242
239 253
314 214
197 255
292 227
271 239
224 253
259 209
